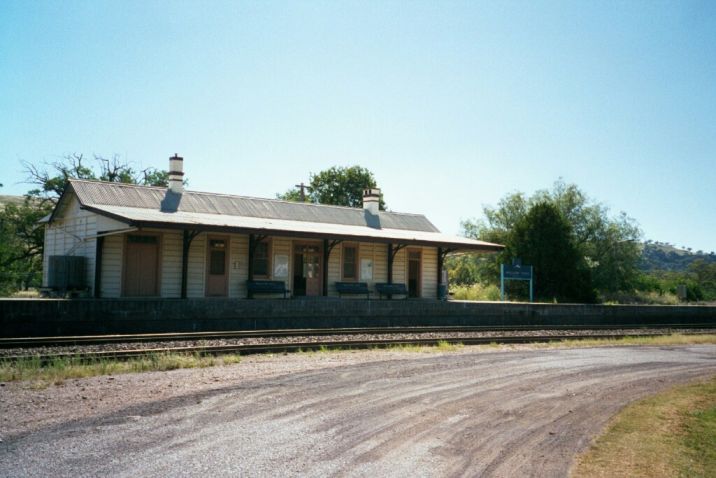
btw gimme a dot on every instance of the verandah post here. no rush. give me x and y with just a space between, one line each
252 249
99 247
186 242
440 270
390 263
326 254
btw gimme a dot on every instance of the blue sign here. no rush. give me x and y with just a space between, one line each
516 271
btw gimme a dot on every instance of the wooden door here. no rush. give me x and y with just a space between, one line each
307 275
217 279
414 269
141 266
312 273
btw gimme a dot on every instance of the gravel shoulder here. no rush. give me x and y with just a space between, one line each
387 413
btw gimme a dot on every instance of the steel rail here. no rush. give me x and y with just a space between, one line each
248 349
16 342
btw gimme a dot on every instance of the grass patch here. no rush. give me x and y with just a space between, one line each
668 435
64 368
658 340
672 339
445 346
476 291
405 348
441 346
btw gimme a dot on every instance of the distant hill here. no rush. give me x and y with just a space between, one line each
5 199
659 256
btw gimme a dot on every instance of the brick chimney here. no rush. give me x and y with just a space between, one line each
176 174
371 200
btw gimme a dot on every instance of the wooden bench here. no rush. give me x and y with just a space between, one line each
355 288
390 290
266 287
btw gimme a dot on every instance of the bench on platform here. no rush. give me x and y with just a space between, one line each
355 288
266 287
390 290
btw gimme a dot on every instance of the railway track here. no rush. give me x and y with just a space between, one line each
15 342
280 341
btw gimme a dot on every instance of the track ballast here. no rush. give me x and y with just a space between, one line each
278 341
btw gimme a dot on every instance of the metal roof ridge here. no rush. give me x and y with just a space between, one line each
162 188
112 183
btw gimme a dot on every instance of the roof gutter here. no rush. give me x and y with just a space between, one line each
318 235
282 233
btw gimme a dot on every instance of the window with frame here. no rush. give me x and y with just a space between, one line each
261 259
350 262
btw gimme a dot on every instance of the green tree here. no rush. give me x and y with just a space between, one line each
51 179
462 269
609 245
543 238
338 185
21 245
704 274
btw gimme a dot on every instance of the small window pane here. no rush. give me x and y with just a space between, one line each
217 263
217 244
349 262
261 259
137 239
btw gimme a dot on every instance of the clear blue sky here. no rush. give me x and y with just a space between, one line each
451 104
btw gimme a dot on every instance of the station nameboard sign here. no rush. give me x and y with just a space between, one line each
517 272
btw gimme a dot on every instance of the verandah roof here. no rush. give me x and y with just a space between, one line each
217 222
141 206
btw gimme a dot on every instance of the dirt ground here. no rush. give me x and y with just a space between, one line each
370 413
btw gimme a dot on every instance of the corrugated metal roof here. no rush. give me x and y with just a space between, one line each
145 206
118 194
155 218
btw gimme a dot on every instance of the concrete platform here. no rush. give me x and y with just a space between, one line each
47 317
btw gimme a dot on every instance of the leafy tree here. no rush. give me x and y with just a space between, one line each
704 274
543 238
50 179
338 185
608 245
462 269
21 245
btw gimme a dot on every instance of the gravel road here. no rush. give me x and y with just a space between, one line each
516 413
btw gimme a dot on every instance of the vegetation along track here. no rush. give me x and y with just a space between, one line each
276 341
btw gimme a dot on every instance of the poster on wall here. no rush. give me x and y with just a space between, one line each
280 265
366 269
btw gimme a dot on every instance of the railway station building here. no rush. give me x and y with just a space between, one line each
126 240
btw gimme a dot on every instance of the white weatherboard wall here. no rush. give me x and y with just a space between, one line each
170 275
111 282
335 261
430 273
171 256
196 274
67 236
380 263
238 265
